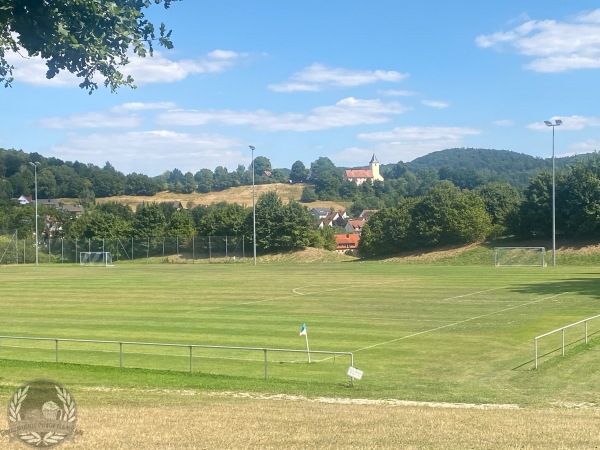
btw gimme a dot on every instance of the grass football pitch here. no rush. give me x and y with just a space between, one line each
421 333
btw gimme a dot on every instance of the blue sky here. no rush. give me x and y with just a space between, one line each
340 79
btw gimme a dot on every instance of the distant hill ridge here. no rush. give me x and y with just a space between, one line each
503 165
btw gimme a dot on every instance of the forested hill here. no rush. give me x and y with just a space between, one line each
512 167
467 168
497 161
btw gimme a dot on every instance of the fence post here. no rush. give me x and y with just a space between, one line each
563 342
266 370
535 352
586 335
120 355
190 359
56 350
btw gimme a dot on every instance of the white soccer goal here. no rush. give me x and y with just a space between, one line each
95 258
520 256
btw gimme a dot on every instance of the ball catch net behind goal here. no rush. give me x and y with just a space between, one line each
520 256
95 258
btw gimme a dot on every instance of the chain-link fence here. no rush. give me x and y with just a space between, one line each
193 249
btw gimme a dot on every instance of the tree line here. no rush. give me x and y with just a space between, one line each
449 215
279 227
422 209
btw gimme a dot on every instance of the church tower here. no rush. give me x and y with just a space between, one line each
374 165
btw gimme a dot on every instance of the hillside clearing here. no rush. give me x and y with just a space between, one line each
241 195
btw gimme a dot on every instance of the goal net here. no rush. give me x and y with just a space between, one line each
95 258
520 256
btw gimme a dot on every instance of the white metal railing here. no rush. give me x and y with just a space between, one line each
562 330
265 350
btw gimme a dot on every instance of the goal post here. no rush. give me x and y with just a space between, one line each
520 256
95 258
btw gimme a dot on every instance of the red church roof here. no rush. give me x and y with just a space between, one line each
359 173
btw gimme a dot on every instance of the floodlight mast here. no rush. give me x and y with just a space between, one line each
35 166
556 123
253 207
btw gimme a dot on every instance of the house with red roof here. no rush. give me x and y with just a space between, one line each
345 242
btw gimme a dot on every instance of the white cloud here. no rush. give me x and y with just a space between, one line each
553 46
568 123
398 93
347 112
410 135
435 104
145 151
578 148
139 106
121 116
32 70
318 77
91 120
503 123
408 143
156 69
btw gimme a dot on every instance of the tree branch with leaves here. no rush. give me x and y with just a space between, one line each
89 38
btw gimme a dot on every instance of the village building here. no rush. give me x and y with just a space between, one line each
359 176
347 243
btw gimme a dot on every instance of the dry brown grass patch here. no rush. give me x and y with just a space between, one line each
241 195
204 421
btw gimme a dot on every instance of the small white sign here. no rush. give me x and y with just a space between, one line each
355 373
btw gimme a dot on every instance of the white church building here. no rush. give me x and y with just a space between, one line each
359 176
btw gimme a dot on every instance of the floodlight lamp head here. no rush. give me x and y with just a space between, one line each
252 147
558 122
547 122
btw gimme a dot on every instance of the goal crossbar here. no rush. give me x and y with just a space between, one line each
95 258
520 256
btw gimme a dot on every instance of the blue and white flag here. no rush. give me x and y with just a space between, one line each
303 330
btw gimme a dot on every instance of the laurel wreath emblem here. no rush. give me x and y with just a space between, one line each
51 438
14 408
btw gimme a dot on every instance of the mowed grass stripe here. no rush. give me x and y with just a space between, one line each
470 326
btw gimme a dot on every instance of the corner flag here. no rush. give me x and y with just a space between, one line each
303 330
305 334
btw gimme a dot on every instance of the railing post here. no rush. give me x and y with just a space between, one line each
190 359
266 369
120 354
586 335
56 350
563 342
535 353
